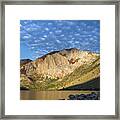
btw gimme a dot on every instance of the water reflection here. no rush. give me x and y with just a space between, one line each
48 95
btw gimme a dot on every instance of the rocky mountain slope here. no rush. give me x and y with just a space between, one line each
24 61
60 69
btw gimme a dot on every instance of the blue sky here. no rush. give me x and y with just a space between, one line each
39 37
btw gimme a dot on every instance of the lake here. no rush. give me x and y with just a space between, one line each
48 95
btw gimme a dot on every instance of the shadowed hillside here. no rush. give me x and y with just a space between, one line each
90 85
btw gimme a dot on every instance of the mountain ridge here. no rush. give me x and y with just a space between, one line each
53 68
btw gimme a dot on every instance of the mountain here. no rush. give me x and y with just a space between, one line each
24 61
60 69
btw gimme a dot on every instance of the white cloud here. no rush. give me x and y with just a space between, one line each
58 41
47 29
43 38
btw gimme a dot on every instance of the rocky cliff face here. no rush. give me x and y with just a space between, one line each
57 66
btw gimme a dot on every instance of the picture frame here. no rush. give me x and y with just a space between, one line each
55 2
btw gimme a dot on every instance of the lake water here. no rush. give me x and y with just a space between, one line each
48 95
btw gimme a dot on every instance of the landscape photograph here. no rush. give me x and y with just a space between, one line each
60 59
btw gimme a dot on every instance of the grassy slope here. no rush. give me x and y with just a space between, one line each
81 75
90 85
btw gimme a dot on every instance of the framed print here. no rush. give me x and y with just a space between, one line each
59 59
